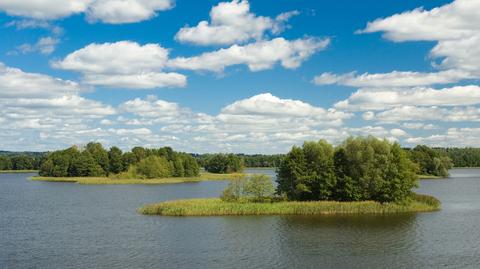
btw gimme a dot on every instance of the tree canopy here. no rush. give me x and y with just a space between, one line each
94 160
356 170
430 161
224 163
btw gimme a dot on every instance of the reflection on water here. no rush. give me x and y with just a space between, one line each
62 225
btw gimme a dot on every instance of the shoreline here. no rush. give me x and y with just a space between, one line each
134 181
17 171
217 207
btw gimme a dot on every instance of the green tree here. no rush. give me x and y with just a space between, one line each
5 163
373 169
191 166
84 165
235 191
224 163
291 175
22 163
178 169
154 167
115 160
430 161
100 155
260 188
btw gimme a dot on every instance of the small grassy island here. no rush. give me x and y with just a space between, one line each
360 176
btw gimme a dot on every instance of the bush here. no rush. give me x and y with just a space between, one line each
256 188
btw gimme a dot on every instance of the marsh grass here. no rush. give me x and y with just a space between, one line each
114 180
217 207
430 177
18 171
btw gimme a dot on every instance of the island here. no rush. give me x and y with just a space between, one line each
363 175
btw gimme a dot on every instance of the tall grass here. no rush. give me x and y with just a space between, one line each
116 180
217 207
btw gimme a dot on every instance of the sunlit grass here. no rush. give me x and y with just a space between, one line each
112 180
430 177
217 207
18 171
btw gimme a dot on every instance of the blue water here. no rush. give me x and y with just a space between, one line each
65 225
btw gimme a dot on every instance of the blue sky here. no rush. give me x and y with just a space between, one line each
237 76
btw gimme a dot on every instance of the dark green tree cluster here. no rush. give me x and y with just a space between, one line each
94 160
430 161
462 157
261 160
357 170
224 163
19 162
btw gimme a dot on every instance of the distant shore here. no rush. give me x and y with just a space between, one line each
204 176
217 207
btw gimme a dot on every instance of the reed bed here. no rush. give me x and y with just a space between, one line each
113 180
217 207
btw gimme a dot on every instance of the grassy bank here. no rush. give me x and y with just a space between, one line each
217 207
430 177
112 180
18 171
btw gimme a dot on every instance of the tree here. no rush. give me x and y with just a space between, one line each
260 188
154 167
373 169
84 165
430 161
22 163
235 191
116 160
100 155
224 163
178 169
5 163
290 174
190 166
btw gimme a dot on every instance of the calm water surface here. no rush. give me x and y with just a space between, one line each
64 225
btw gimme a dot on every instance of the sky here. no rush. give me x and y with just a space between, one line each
237 76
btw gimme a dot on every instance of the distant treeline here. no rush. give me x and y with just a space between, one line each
462 157
255 160
18 161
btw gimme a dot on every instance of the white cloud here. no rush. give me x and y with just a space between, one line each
392 79
453 137
126 11
257 56
107 11
419 126
232 22
44 45
433 113
379 99
454 26
15 83
123 64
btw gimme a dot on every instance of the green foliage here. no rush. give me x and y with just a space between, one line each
255 188
84 165
430 161
224 163
462 157
95 161
116 160
154 167
307 173
6 163
359 169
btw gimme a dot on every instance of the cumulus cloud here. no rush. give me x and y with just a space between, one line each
107 11
123 64
433 113
365 99
455 27
453 137
392 79
15 83
232 22
257 56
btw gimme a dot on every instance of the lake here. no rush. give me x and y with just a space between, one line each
64 225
